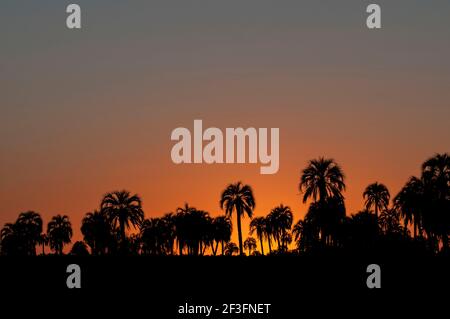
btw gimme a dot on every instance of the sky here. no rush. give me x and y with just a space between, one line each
85 112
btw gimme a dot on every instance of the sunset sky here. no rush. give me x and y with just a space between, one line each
90 111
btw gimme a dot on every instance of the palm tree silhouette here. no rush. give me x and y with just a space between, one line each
43 241
231 249
410 202
21 237
181 220
123 210
222 228
96 231
322 178
389 221
250 245
8 240
436 180
305 234
258 225
377 196
239 198
169 232
280 219
59 232
30 226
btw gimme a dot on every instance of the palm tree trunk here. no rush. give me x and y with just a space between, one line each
270 244
415 228
180 248
241 252
223 252
376 215
262 248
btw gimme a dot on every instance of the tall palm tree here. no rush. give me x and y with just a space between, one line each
258 225
322 178
250 245
238 197
59 232
123 210
377 196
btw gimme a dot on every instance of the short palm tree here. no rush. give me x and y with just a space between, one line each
410 202
377 196
280 220
59 232
258 225
222 228
239 198
96 232
250 245
231 249
29 224
123 210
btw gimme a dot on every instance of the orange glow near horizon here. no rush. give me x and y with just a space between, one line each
90 112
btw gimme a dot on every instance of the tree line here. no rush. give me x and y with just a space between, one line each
417 219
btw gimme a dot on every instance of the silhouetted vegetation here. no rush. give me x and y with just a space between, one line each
416 221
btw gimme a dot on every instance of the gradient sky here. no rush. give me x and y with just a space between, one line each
90 111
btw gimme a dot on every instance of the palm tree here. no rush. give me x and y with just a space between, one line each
21 237
169 231
436 219
123 210
436 173
322 178
43 240
302 235
410 202
181 221
222 228
29 225
8 239
231 249
96 232
258 225
59 232
239 198
377 196
268 232
280 219
250 245
389 221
